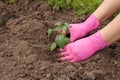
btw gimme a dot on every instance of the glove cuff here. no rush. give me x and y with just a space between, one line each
99 42
92 22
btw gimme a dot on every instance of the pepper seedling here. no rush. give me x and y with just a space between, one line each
61 38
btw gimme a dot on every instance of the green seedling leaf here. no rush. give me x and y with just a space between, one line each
49 32
53 46
65 28
60 40
57 29
66 24
58 24
67 40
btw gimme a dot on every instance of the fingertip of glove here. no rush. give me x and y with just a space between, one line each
61 50
72 39
72 61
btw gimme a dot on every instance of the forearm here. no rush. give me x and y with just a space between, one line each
111 32
106 9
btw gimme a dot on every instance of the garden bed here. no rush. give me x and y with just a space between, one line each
24 46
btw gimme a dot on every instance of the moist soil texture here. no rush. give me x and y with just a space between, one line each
24 46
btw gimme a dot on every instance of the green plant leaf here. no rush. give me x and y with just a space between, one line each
60 40
76 5
53 46
65 27
57 29
58 24
49 32
66 24
68 2
67 40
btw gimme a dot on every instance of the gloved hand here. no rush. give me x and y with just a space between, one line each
83 49
80 30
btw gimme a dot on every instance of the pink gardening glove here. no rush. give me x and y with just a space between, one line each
83 49
80 30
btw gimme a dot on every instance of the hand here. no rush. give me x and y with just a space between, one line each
80 30
83 49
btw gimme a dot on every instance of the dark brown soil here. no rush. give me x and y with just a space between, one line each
24 46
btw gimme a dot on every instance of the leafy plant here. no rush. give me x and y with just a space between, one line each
61 38
79 6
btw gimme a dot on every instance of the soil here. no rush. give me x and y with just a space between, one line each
24 46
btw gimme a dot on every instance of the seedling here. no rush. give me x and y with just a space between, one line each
61 38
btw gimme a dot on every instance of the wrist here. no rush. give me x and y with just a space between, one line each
98 41
92 23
